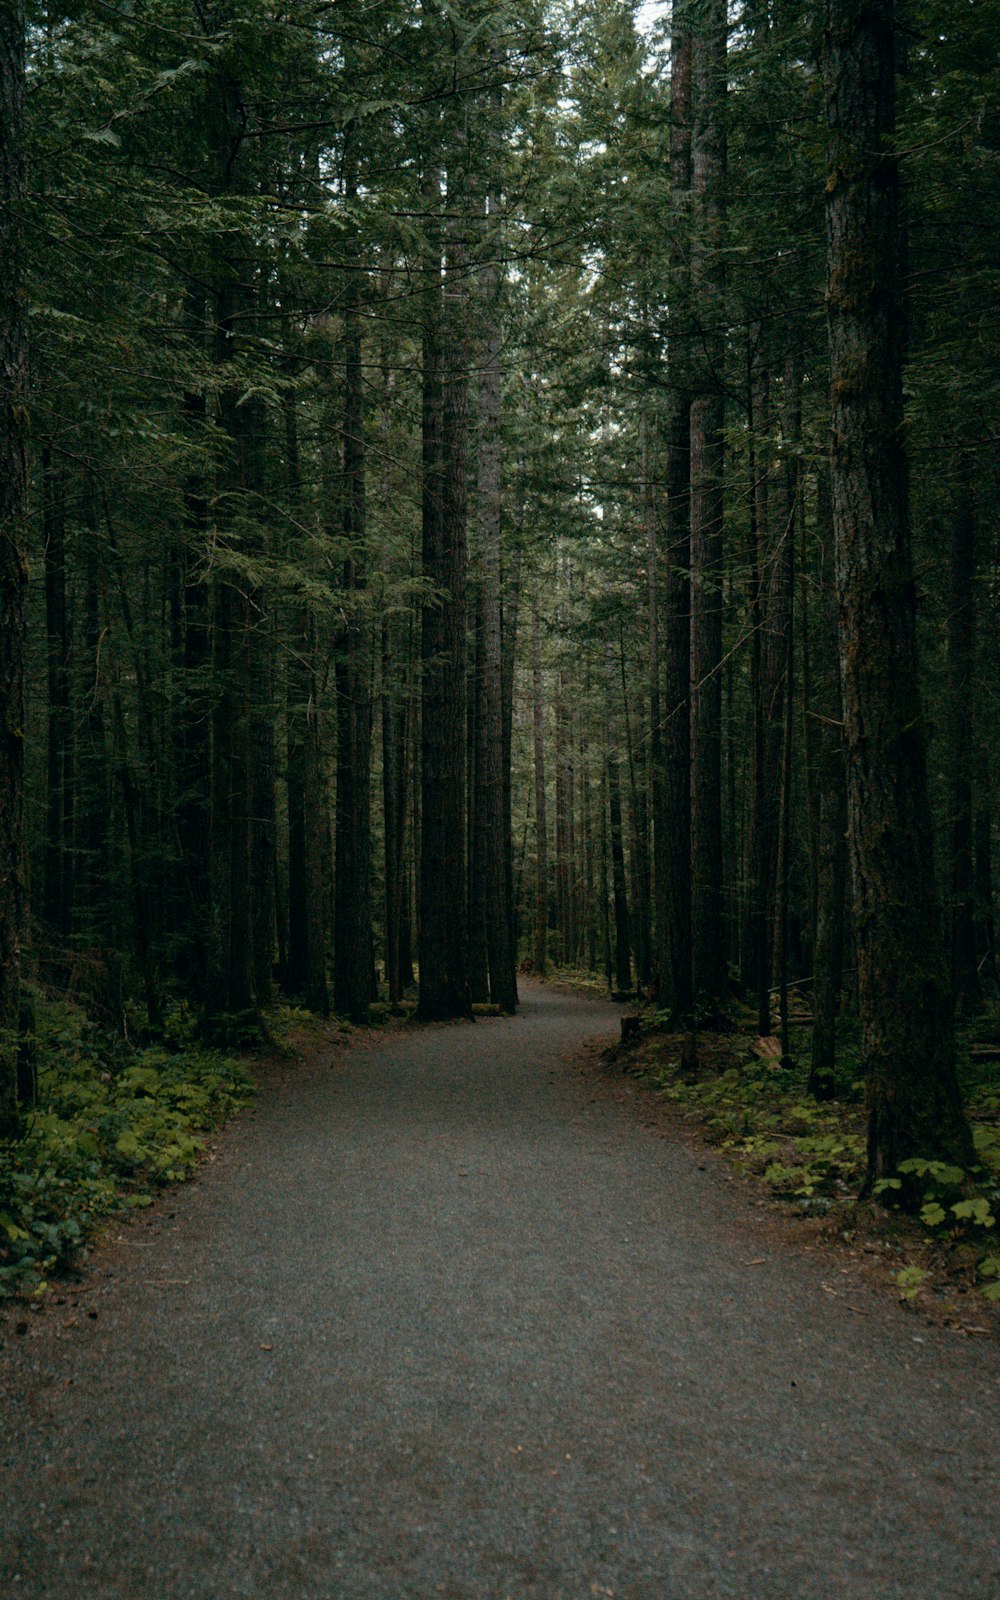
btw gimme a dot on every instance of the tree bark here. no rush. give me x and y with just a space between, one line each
961 657
914 1105
490 818
708 147
831 824
13 558
623 960
672 823
444 956
58 897
508 655
541 937
352 945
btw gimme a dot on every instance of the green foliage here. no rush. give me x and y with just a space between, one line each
804 1152
813 1155
111 1124
989 1268
910 1281
945 1190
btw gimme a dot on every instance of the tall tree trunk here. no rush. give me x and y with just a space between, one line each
94 790
782 645
708 145
658 806
305 968
623 962
831 824
508 655
230 1001
193 664
908 1047
562 825
479 960
984 885
444 954
13 559
569 794
541 939
490 818
352 947
759 843
264 821
394 794
961 656
132 807
58 897
638 837
609 971
589 865
672 824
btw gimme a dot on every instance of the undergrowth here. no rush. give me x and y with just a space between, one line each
113 1122
811 1155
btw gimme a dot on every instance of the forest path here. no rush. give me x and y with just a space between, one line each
433 1324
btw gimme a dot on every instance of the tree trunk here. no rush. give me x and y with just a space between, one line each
352 946
623 964
638 840
264 822
831 825
58 897
508 656
479 960
394 794
758 850
961 656
13 558
984 886
609 971
562 826
914 1106
194 755
490 818
444 955
672 824
708 145
541 939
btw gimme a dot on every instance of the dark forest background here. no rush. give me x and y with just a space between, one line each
502 489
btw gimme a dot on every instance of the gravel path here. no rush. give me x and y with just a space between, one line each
434 1325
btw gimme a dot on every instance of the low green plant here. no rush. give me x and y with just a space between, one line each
111 1124
989 1268
910 1281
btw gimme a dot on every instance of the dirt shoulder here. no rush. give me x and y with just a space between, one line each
934 1278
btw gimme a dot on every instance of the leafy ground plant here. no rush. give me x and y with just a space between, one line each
810 1156
112 1123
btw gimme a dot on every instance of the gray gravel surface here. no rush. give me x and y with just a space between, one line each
436 1324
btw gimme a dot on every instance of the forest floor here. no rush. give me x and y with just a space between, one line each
442 1318
804 1160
